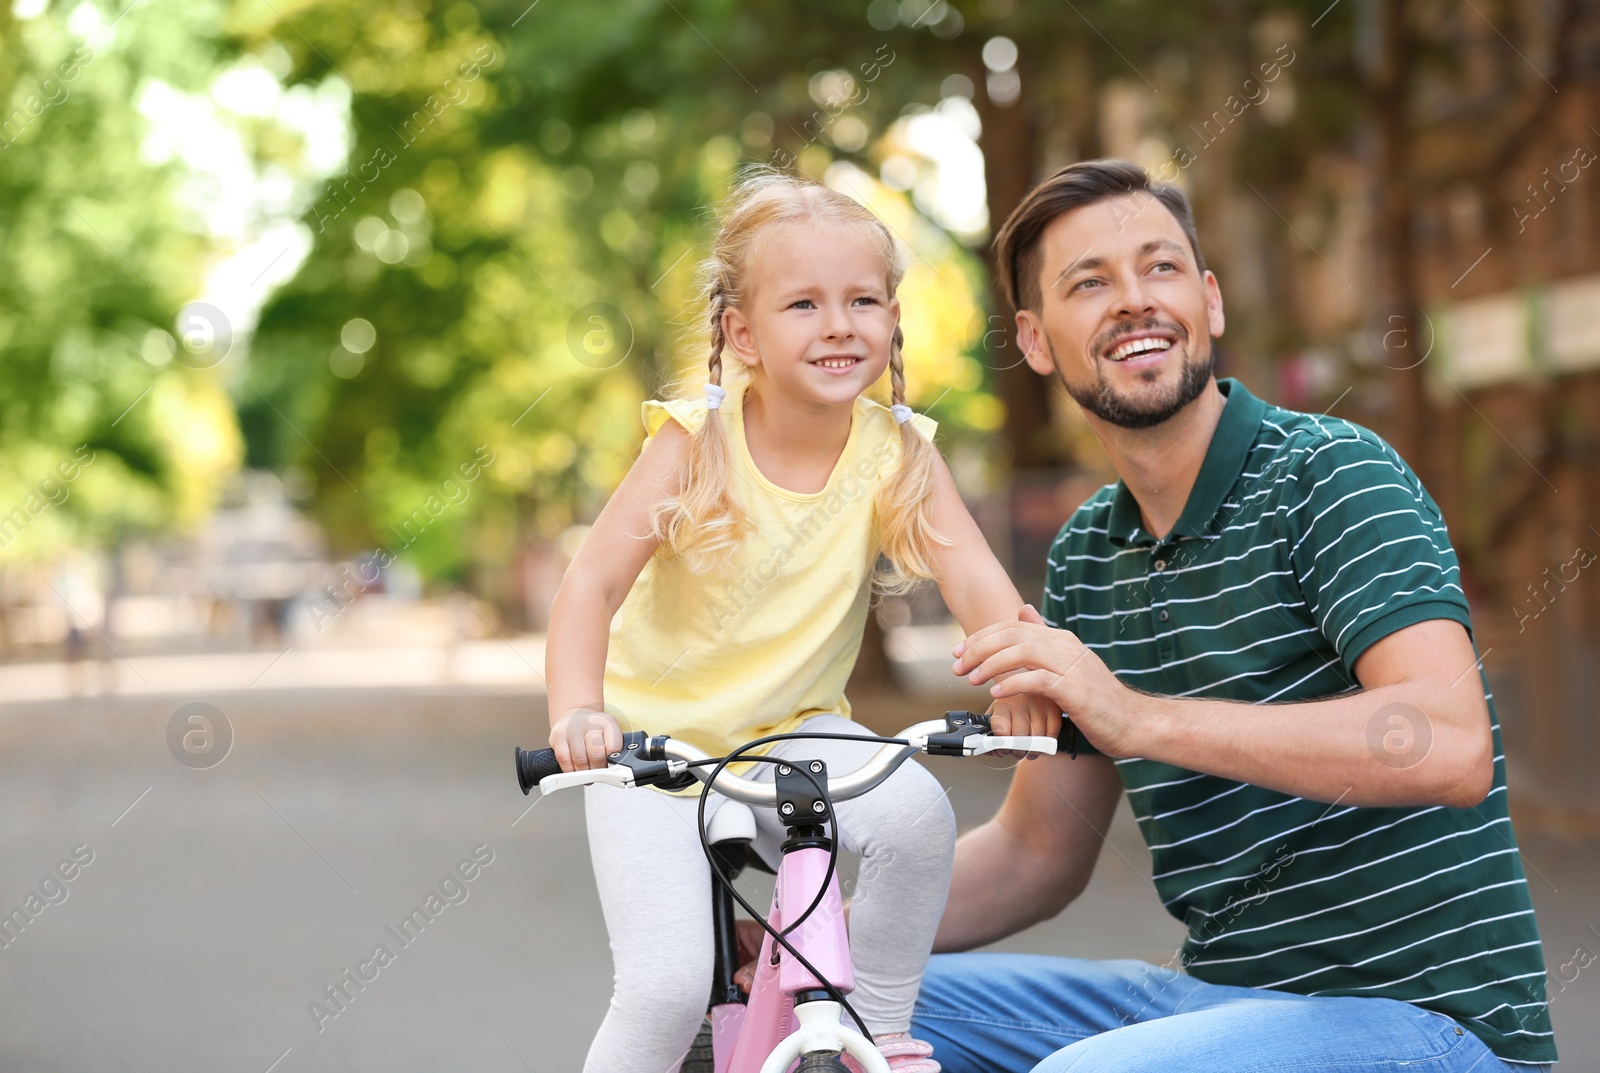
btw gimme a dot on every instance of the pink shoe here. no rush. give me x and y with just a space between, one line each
904 1055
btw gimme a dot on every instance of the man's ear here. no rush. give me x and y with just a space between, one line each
1030 338
740 339
1215 322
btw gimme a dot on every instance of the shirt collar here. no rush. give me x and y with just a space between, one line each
1224 462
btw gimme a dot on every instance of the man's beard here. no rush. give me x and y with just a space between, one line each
1105 404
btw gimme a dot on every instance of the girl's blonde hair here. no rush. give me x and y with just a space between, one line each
704 522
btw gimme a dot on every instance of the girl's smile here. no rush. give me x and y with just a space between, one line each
838 363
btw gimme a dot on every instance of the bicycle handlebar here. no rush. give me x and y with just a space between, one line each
958 734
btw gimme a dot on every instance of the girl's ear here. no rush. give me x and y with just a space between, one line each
740 339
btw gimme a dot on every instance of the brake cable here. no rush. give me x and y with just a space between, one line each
781 938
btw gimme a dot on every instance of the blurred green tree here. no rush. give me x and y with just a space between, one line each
102 432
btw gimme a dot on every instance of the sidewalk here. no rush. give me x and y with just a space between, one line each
499 663
372 646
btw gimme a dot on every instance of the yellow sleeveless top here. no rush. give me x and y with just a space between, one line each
767 640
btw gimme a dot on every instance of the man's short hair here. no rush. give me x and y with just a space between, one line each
1016 246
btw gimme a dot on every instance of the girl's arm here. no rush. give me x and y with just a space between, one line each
616 549
976 588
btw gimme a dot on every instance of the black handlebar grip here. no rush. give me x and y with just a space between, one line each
1067 740
535 764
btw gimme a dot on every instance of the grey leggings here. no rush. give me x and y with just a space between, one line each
655 890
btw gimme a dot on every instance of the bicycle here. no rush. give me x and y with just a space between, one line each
793 1011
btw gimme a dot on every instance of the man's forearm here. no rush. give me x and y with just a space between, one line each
1416 734
981 910
1393 745
1037 854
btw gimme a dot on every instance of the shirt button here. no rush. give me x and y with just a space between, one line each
1161 564
1163 616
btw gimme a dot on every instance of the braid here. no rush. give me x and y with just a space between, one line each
904 505
719 303
897 367
704 522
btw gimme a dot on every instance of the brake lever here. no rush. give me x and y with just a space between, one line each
641 756
611 775
1020 744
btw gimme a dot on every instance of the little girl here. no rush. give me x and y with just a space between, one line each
741 553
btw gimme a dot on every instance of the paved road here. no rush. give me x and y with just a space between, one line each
221 903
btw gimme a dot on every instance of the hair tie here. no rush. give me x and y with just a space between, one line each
902 413
714 397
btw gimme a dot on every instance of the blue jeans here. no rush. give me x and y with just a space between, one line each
1011 1013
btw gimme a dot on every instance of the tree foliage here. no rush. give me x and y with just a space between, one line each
98 256
506 260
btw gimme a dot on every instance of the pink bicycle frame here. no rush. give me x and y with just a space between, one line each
743 1036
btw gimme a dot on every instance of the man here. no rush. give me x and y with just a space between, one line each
1263 623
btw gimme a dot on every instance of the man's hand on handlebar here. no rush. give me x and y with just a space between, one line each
583 739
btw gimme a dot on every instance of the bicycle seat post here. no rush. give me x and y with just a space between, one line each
725 936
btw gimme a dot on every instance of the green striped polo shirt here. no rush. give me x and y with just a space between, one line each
1305 540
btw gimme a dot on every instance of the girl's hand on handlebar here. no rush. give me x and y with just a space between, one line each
1025 715
584 738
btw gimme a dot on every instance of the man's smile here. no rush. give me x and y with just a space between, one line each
1143 343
